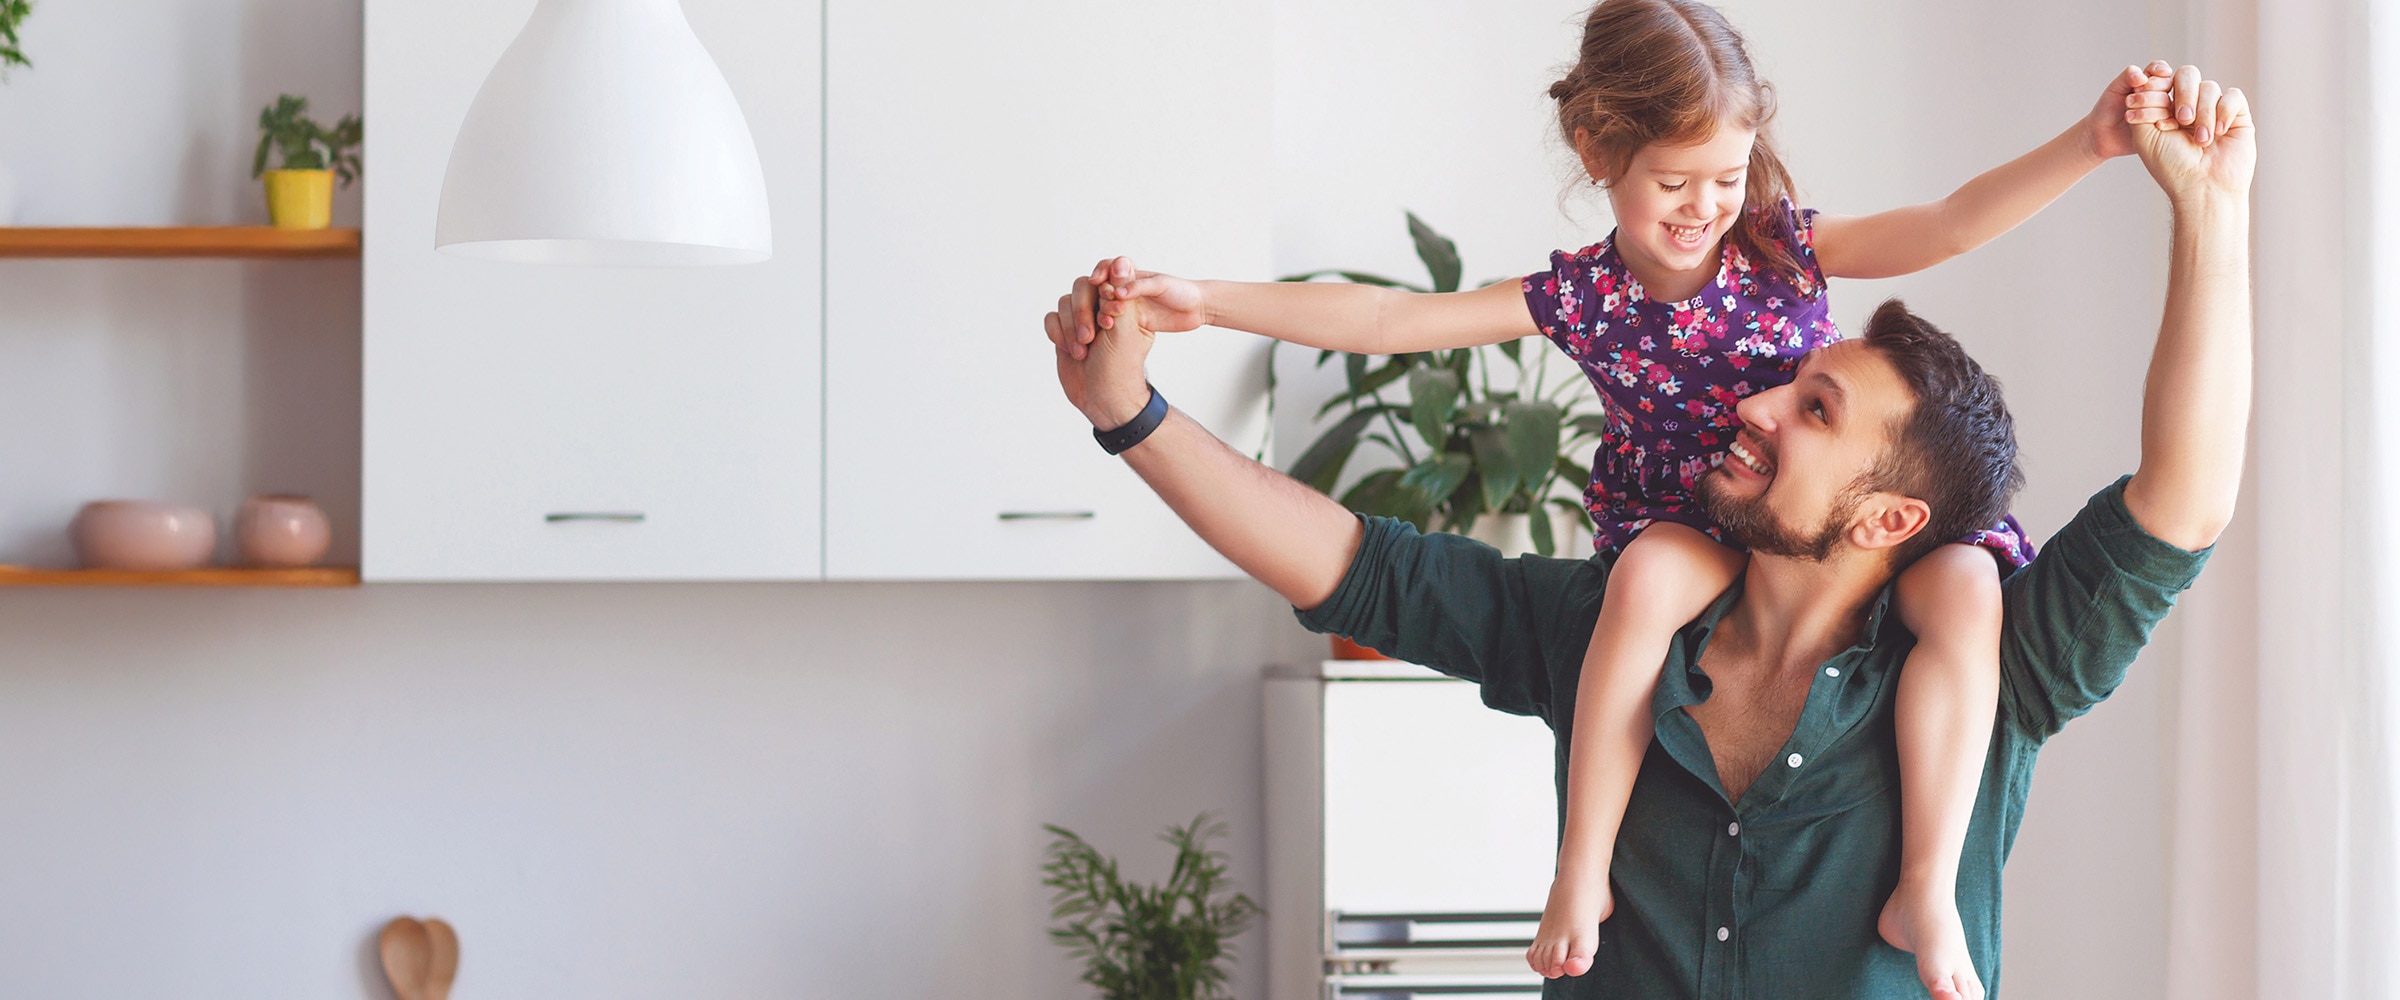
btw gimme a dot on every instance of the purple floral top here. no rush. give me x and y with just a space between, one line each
1671 373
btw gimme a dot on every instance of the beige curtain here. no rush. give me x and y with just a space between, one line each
2283 711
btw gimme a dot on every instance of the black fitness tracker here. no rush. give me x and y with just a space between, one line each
1155 413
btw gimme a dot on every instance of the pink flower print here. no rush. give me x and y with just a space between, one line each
1647 344
1738 361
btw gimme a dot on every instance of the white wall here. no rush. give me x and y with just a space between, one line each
835 790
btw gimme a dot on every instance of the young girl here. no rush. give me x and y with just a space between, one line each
1710 289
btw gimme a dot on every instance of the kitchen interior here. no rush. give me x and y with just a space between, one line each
735 631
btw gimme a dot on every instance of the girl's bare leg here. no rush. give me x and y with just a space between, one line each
1948 691
1665 577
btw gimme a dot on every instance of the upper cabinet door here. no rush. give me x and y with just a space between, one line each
545 423
979 157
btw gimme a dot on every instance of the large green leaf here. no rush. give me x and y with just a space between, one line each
1495 464
1321 465
1354 370
1433 403
1539 521
1356 277
1372 494
1438 252
1364 388
1590 424
1436 478
1532 438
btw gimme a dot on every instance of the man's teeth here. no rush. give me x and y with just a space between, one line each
1748 460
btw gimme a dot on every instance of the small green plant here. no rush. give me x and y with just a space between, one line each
1481 447
1147 942
284 126
12 13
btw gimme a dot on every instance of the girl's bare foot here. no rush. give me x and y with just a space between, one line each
1570 931
1922 918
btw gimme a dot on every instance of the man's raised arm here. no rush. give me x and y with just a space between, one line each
2196 402
1292 538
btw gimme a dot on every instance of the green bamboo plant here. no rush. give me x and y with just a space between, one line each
12 13
1466 444
286 127
1147 942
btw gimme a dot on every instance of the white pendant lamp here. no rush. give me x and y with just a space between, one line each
605 136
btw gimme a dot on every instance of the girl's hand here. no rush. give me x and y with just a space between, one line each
2106 129
1160 303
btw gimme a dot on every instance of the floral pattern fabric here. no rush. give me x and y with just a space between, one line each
1671 373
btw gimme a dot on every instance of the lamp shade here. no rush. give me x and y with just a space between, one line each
605 136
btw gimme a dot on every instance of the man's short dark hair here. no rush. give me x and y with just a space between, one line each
1957 448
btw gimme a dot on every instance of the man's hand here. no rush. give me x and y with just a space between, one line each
1101 372
2200 142
1159 303
2108 130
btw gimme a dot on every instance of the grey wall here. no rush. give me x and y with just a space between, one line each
835 791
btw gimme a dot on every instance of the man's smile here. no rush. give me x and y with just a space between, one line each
1750 459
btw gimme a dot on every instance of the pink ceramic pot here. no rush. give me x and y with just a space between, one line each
143 536
282 531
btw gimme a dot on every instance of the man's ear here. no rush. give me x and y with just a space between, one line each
1885 520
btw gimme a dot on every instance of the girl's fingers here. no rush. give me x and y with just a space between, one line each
2204 112
2187 92
2149 99
2159 68
2145 116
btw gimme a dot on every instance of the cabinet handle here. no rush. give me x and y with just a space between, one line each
1047 515
614 516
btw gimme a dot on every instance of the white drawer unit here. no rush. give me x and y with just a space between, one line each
549 423
1411 833
979 156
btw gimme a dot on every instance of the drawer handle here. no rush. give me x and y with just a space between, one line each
1048 515
612 516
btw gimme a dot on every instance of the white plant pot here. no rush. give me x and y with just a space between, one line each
8 195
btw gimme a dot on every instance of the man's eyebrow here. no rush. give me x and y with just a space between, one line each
1833 387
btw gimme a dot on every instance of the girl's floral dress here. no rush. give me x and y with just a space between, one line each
1671 373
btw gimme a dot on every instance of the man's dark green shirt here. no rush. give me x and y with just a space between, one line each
1775 896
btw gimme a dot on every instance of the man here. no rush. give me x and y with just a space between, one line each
1762 836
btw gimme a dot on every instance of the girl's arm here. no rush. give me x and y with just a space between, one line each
1361 319
1906 240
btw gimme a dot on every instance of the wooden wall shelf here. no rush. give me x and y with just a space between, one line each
315 576
255 242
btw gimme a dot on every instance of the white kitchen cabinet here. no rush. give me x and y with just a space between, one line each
979 156
550 423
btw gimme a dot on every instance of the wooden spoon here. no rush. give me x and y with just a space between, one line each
407 952
442 967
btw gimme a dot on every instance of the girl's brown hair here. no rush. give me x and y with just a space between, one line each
1671 71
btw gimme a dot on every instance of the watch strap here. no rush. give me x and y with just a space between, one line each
1117 441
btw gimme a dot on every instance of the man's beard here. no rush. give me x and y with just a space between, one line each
1747 521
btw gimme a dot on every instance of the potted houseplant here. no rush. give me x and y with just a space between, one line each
1147 942
300 193
1478 438
12 55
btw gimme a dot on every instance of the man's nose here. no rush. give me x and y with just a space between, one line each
1758 411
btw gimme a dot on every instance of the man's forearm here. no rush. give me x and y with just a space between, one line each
2196 401
1292 538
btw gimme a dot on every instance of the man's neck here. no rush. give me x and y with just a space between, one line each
1799 612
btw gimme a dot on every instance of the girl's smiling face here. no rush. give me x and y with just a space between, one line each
1674 205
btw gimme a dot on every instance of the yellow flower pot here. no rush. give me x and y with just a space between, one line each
300 199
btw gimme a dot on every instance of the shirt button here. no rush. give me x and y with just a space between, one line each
1793 760
1723 933
1833 671
1733 829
